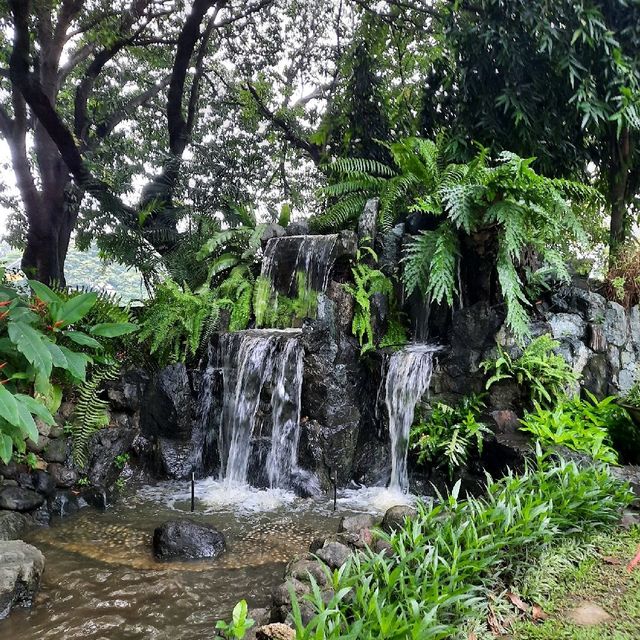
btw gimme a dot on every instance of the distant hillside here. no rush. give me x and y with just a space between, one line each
85 269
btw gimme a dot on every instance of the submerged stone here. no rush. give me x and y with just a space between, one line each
187 540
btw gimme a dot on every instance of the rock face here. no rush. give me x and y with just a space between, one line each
19 499
187 540
12 525
21 566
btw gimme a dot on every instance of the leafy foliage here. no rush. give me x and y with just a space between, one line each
523 210
39 340
176 323
281 312
90 411
443 563
367 282
622 281
450 434
544 374
579 425
239 625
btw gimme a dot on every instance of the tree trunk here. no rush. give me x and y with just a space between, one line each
620 162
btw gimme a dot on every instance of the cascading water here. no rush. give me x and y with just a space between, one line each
257 364
314 257
408 378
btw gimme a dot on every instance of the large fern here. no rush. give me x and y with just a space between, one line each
91 413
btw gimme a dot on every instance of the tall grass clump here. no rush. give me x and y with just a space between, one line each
444 562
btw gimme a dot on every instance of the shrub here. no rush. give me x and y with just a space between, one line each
545 374
622 282
580 425
450 434
42 348
176 323
446 560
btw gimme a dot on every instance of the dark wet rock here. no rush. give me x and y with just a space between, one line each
505 420
19 499
355 523
260 616
41 516
11 470
167 406
187 540
631 475
25 480
104 447
173 458
395 517
57 431
21 566
417 222
281 597
297 228
97 497
12 525
56 450
43 483
379 315
391 254
64 504
275 631
126 393
505 394
368 221
39 445
302 569
334 554
62 476
44 429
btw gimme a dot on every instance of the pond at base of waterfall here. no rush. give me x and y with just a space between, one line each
101 580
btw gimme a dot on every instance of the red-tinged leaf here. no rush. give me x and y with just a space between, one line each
517 601
611 560
635 562
538 614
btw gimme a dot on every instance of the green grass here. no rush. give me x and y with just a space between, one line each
595 571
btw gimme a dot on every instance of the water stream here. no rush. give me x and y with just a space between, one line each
314 257
408 378
262 373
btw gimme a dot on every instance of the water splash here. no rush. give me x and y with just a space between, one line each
314 257
408 378
260 367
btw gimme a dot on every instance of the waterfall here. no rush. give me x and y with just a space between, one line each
408 378
260 367
312 255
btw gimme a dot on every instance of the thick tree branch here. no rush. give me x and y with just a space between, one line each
245 14
105 128
289 132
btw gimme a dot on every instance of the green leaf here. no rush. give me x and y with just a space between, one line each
44 293
8 406
82 338
77 363
36 407
113 329
75 308
31 344
6 448
57 356
27 423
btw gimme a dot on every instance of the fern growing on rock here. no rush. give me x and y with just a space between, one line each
523 211
91 412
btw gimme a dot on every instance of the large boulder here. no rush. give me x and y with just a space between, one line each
104 447
12 525
395 517
187 540
19 499
126 393
21 566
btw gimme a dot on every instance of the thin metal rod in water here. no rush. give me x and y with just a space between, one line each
193 491
334 482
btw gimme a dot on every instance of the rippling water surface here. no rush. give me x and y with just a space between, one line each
102 582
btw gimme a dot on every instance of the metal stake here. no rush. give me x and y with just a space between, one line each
193 491
334 481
